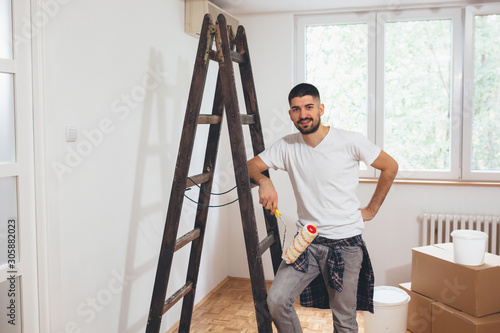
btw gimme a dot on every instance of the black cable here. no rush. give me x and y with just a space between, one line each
201 188
211 193
211 206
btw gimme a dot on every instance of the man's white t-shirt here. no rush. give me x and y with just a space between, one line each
325 178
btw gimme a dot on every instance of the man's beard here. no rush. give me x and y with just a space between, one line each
313 128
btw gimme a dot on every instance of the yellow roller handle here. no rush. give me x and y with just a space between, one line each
277 213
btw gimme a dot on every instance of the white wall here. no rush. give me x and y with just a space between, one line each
395 230
119 71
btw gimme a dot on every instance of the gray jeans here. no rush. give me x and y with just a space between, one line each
289 283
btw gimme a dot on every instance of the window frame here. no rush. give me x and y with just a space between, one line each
23 169
462 21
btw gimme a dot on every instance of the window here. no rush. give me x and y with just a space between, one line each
417 93
338 62
339 59
398 77
486 104
7 126
482 93
5 29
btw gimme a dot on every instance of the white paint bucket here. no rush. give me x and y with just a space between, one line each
469 246
390 311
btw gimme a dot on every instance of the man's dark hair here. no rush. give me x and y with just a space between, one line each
303 89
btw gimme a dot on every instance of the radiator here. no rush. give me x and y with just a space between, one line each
436 228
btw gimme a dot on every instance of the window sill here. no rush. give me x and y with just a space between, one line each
433 182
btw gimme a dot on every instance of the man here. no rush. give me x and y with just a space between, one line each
323 166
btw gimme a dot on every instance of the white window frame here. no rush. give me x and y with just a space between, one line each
341 18
376 21
27 315
468 100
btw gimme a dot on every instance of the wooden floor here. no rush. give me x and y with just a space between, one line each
229 308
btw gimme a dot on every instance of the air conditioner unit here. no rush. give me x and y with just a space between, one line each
196 10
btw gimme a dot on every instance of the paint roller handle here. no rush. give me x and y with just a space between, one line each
276 212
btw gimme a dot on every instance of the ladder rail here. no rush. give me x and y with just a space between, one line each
202 211
178 186
238 152
256 135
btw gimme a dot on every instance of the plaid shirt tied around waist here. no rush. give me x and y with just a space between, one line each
315 294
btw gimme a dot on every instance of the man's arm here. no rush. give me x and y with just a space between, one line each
268 197
389 168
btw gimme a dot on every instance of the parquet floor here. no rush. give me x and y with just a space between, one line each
229 308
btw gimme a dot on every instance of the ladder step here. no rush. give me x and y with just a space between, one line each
235 56
189 237
209 119
247 119
213 55
266 243
238 58
185 289
205 177
198 179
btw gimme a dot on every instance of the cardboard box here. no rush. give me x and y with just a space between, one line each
419 310
471 289
447 319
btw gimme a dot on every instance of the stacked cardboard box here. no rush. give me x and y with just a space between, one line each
451 298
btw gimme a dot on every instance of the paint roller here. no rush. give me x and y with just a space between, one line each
300 242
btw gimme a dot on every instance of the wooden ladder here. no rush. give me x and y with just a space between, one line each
225 98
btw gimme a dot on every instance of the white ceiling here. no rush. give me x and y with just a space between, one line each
271 6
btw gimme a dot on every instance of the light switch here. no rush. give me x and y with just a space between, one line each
71 133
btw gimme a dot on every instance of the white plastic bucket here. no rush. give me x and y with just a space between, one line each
390 311
469 246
